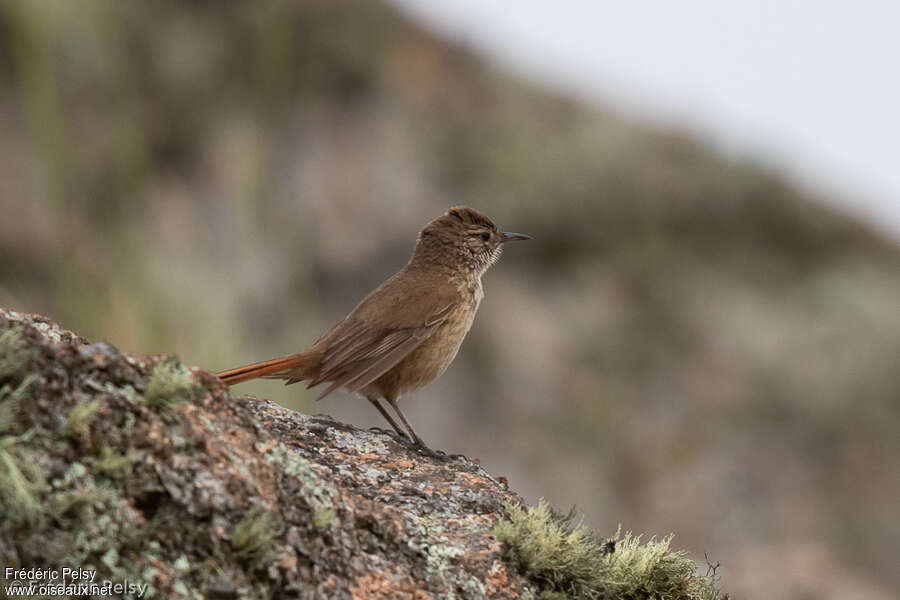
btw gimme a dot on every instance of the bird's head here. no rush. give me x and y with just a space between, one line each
463 238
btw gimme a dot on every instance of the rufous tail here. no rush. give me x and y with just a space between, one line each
286 367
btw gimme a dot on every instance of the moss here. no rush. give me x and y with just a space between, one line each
9 410
170 384
21 479
652 569
113 465
13 358
14 378
254 534
569 561
80 418
10 397
21 483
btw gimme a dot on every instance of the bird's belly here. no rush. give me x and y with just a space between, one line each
429 360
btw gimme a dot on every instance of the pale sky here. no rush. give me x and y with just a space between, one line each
810 86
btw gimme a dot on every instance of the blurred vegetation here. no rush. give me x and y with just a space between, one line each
689 340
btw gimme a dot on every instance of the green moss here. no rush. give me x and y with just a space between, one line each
113 465
254 534
21 479
170 384
21 482
80 418
14 379
9 410
569 561
13 358
10 397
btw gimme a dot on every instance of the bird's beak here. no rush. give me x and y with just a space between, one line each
508 236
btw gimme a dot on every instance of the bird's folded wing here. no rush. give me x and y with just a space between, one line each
362 354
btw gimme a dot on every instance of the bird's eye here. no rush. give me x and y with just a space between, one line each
485 236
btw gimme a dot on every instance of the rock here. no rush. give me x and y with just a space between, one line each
138 472
229 494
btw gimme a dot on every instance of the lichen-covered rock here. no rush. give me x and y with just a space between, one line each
150 475
143 470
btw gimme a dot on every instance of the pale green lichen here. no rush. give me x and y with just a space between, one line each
72 476
431 541
568 561
323 517
90 522
72 507
103 530
292 463
363 444
320 494
127 391
181 563
110 559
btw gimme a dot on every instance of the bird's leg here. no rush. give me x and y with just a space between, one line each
416 439
386 415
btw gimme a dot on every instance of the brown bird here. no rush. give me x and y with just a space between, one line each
407 331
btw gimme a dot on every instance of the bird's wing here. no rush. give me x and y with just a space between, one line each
359 353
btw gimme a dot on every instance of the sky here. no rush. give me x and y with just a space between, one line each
809 86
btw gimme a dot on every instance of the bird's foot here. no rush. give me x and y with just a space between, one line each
429 452
423 448
398 435
418 444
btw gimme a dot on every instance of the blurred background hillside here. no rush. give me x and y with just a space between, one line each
690 344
